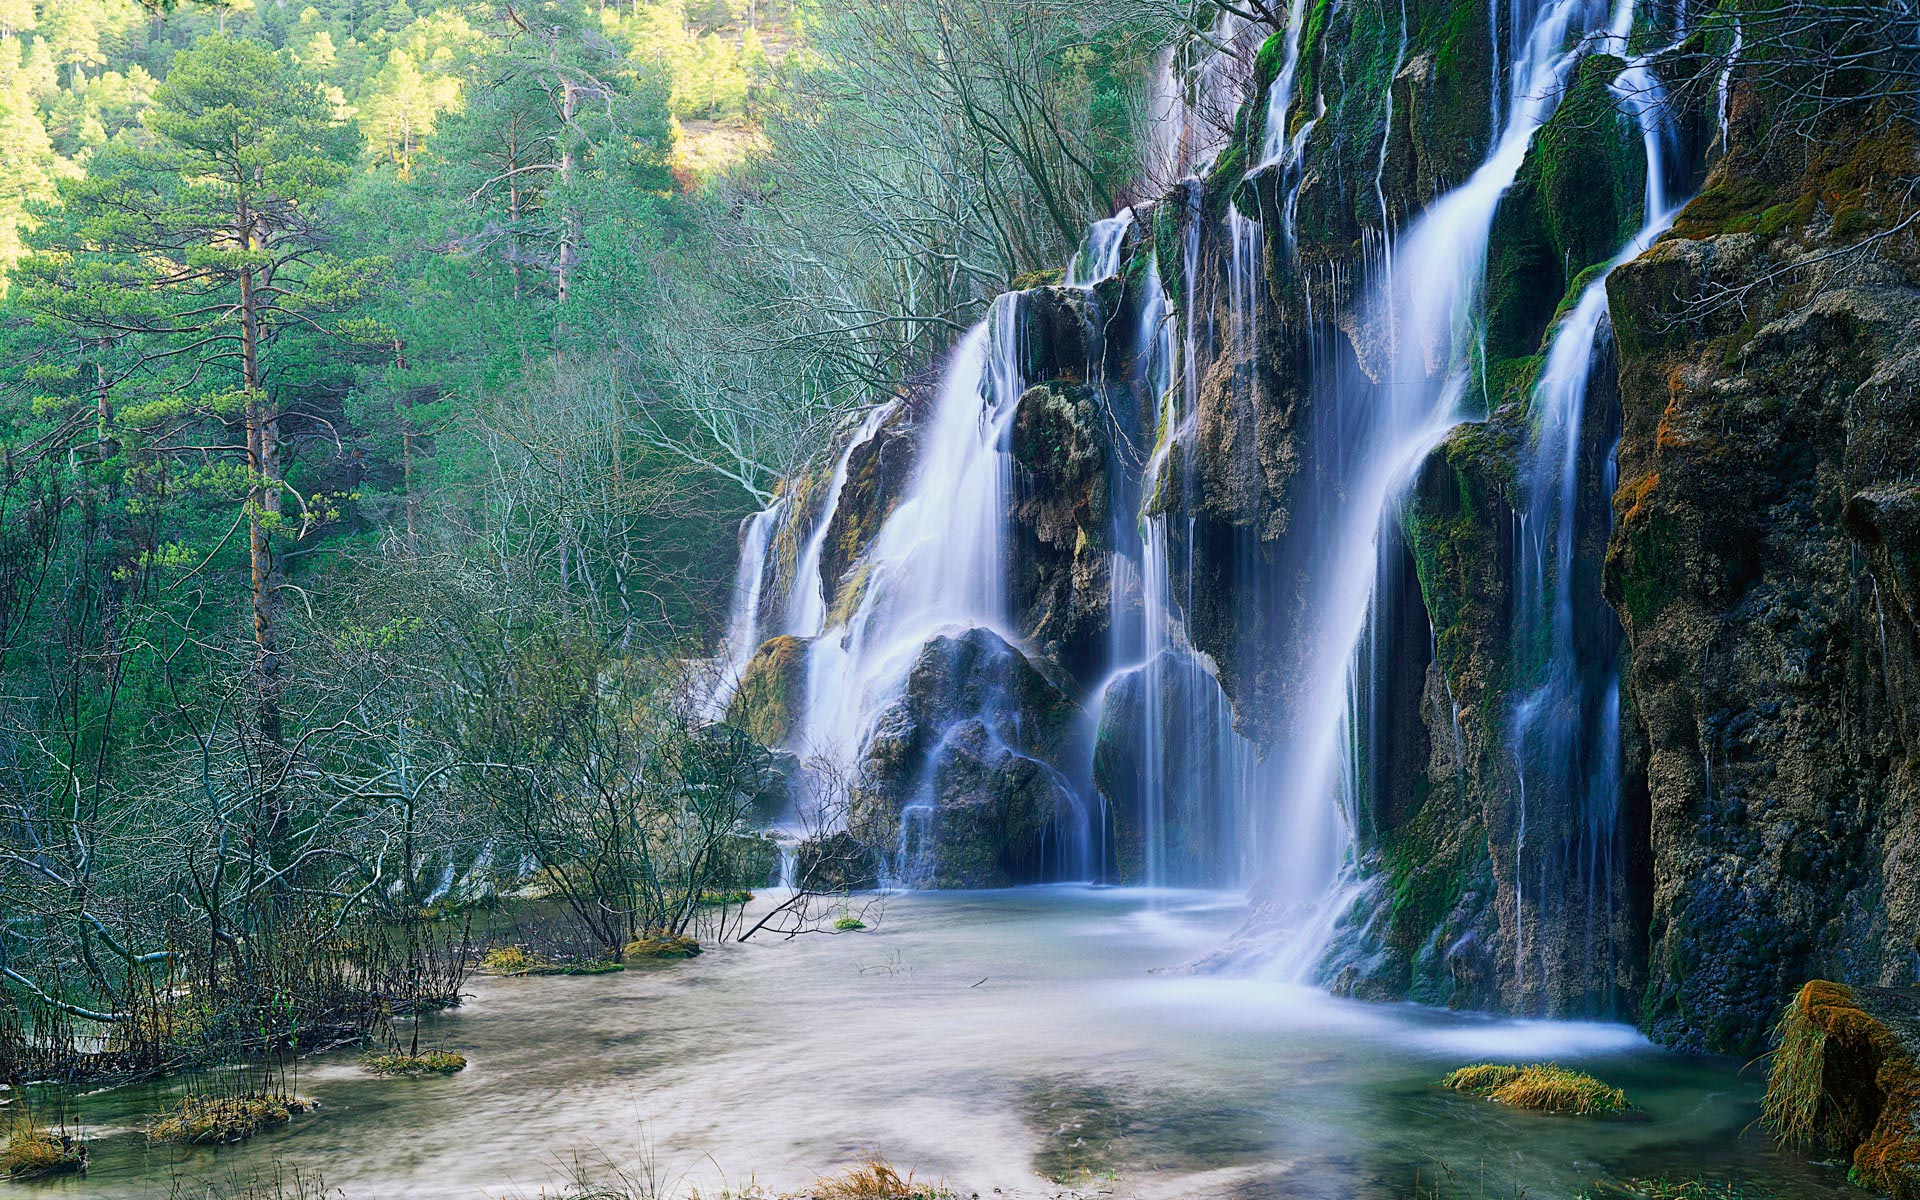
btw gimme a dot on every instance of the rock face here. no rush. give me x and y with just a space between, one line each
966 777
1761 563
772 690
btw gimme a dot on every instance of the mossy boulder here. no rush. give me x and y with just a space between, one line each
773 691
1845 1082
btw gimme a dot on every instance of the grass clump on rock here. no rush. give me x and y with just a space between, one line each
31 1150
512 961
424 1062
1845 1081
1543 1087
223 1120
662 945
849 924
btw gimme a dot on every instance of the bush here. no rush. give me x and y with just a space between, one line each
32 1151
1542 1087
221 1120
849 924
427 1062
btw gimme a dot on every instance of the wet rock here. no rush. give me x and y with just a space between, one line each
1759 563
1060 524
966 777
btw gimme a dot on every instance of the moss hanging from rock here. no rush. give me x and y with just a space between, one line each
1846 1081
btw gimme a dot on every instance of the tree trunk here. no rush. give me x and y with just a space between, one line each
263 496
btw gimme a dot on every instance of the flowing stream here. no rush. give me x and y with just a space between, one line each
994 1040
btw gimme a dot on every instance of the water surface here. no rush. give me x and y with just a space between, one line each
995 1040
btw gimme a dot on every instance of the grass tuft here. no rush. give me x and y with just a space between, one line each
1543 1087
876 1180
31 1151
427 1062
849 924
222 1120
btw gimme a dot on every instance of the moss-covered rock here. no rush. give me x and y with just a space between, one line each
772 691
1845 1082
1576 200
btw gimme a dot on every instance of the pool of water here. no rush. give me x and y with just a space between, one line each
1015 1040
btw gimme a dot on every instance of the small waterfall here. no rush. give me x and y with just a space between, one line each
1275 144
806 613
1098 257
939 560
1564 733
742 637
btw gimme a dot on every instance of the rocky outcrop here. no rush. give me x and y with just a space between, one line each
1061 523
1760 565
966 776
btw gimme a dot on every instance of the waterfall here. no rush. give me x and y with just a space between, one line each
1374 421
742 635
1099 255
806 613
939 560
1275 144
1564 731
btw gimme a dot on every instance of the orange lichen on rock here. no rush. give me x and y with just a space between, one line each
1846 1080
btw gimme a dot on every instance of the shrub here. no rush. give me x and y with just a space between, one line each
427 1062
218 1120
737 896
849 924
1542 1087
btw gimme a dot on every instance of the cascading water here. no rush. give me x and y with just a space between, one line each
1564 734
1374 420
743 614
806 611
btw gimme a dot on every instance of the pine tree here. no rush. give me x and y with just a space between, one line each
201 251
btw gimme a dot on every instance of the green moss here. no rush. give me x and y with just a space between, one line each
849 924
662 945
772 687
